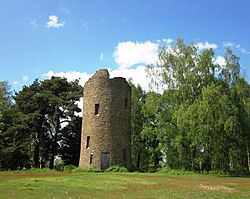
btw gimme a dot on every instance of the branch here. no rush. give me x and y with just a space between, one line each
64 121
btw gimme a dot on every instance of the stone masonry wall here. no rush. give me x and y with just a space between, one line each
108 131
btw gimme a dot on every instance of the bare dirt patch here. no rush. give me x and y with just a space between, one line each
218 188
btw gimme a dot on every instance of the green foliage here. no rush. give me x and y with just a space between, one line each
43 115
170 171
202 120
84 170
69 168
70 144
117 168
14 141
139 152
5 97
217 173
59 164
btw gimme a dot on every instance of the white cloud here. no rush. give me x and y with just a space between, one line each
206 45
228 44
138 76
130 53
33 22
243 50
168 41
237 46
64 10
220 61
101 56
25 78
53 22
70 75
85 26
17 85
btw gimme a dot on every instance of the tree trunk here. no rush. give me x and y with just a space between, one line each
248 155
52 158
138 162
54 144
36 155
37 150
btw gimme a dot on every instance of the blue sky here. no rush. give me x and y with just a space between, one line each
74 38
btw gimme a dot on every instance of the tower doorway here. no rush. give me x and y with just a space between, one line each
105 160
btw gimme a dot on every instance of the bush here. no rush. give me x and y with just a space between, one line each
58 164
164 170
69 168
168 170
239 173
117 168
83 170
137 170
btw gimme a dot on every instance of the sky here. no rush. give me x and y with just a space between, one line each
75 38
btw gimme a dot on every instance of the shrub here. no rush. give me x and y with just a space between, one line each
69 168
170 171
239 173
58 164
83 170
117 168
137 170
216 173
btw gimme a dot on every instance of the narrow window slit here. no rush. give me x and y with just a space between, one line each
126 103
97 109
91 159
125 155
88 142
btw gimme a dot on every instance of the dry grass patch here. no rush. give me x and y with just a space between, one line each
218 188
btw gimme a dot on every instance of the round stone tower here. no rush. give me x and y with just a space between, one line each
106 122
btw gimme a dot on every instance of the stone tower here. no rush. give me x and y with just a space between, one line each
106 122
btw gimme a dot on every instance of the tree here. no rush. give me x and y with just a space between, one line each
5 97
239 128
150 132
183 69
231 70
15 143
13 146
33 106
48 104
61 96
137 119
202 121
71 142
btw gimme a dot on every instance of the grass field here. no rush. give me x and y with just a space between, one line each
120 185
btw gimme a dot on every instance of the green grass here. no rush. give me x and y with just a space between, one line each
120 185
29 171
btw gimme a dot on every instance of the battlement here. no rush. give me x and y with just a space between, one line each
102 73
